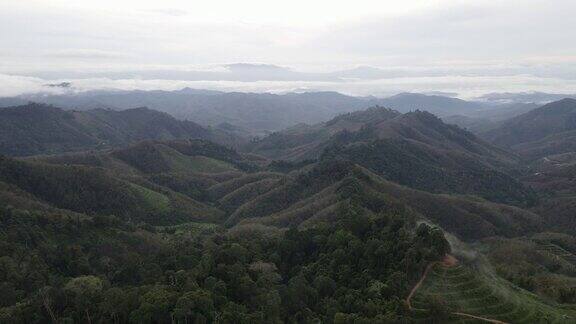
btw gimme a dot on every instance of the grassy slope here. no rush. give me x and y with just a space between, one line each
478 291
155 201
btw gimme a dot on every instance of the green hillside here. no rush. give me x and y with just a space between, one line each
453 294
544 131
95 191
42 129
433 169
63 268
415 149
186 230
310 198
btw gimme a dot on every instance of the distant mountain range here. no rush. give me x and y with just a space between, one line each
257 114
526 97
438 105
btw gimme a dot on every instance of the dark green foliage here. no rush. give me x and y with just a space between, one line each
310 197
303 142
421 168
95 191
374 114
439 311
287 166
415 149
537 265
76 188
224 188
186 230
289 191
171 156
544 131
41 129
194 186
37 129
60 268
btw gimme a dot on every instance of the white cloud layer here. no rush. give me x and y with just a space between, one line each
466 87
527 43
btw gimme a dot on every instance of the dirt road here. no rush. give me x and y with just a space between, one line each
448 261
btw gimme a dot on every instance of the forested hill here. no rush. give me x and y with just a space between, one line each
42 129
187 230
258 112
548 130
303 141
135 235
194 231
415 149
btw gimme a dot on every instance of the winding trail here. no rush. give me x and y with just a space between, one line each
413 291
448 261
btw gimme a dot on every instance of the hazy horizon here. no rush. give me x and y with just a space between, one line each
363 48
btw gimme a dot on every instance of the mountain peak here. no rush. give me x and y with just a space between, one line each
565 105
371 115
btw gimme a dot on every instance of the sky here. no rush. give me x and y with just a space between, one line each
363 47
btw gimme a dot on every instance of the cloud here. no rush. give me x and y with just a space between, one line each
13 85
173 12
84 53
379 33
439 45
255 67
465 86
486 31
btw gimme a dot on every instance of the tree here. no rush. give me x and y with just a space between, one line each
86 292
155 306
195 307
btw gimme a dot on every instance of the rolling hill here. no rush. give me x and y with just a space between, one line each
259 114
311 197
41 129
303 142
211 175
159 182
156 218
94 191
339 230
548 130
415 149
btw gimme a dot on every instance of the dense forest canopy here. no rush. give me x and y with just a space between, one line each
374 216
